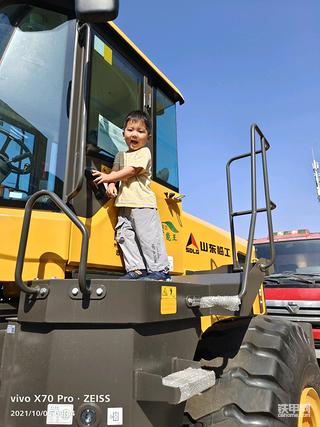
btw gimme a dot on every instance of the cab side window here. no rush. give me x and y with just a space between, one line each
116 89
166 155
36 61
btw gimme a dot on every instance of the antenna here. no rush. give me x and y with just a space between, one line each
315 167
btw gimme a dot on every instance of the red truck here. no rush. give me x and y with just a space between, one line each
293 290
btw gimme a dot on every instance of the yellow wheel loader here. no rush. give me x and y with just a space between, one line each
80 346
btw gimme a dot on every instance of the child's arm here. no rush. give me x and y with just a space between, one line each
115 176
138 163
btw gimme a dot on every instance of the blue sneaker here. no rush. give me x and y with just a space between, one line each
135 275
158 275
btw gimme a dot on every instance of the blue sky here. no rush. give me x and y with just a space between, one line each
238 62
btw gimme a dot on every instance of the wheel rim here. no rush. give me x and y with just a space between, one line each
309 412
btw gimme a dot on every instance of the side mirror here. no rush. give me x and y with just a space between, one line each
94 11
90 11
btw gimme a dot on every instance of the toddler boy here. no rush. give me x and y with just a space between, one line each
138 230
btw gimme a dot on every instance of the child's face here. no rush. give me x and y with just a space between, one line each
136 134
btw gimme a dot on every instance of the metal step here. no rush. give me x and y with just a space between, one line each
174 388
190 382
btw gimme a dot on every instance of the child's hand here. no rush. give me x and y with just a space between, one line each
112 190
101 177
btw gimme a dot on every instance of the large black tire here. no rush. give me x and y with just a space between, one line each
260 363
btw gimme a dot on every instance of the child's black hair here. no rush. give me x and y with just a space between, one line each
137 116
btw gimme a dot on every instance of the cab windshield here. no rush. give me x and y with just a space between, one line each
36 55
296 256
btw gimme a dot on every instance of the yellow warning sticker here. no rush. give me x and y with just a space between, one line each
107 54
168 300
104 50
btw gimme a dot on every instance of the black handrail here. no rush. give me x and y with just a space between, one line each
254 210
85 289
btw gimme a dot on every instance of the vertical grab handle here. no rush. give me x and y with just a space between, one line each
85 289
254 210
85 31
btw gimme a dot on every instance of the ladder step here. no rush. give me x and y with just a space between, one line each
229 302
190 381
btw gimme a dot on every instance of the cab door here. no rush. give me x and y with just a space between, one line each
119 83
115 87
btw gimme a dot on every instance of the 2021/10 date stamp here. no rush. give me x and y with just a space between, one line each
27 413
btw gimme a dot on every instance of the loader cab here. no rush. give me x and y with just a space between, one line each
65 89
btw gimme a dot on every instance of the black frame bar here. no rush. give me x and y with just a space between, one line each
84 101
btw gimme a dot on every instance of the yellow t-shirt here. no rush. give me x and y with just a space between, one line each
135 192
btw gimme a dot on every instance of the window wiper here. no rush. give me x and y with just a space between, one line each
281 278
271 279
315 276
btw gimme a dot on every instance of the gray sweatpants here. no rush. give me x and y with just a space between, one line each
139 235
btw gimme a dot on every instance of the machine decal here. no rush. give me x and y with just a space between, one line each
192 245
168 300
214 249
104 50
170 232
